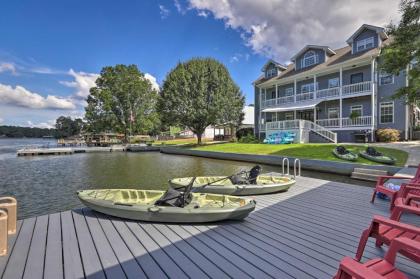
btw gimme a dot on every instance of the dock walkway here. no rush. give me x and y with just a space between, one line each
302 233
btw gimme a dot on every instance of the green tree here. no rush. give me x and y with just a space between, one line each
67 127
122 101
199 93
404 50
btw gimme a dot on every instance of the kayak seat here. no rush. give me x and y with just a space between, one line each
341 150
173 198
253 174
373 152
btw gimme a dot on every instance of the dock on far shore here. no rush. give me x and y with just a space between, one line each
83 149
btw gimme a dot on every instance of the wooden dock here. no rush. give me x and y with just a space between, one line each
67 150
302 233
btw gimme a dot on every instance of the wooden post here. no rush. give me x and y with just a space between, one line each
3 233
9 204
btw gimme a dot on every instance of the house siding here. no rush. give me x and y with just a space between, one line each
367 33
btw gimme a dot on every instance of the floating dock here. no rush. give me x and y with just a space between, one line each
67 150
302 233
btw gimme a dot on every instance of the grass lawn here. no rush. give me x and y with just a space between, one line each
179 141
309 151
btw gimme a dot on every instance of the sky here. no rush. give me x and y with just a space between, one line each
51 52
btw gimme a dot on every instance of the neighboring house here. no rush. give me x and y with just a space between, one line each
332 95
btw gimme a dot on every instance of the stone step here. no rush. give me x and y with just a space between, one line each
364 176
370 171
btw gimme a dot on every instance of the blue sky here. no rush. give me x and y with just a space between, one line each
56 48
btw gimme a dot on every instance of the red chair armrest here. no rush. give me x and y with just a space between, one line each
395 224
357 270
401 244
406 208
412 197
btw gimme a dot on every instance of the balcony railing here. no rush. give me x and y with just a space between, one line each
361 121
357 88
328 93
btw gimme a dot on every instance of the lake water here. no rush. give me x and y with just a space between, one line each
47 184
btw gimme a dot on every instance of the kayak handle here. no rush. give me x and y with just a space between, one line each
154 209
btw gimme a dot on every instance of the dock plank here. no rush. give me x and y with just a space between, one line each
35 262
54 252
302 233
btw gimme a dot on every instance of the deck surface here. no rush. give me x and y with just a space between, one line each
302 233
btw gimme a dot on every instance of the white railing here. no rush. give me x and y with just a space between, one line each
328 93
361 121
357 88
304 96
347 90
357 121
300 124
332 122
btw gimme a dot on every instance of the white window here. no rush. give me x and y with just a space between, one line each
333 82
385 78
364 44
356 110
310 58
309 87
333 113
289 91
271 72
289 116
386 112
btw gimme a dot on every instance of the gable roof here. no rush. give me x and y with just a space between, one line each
271 61
325 48
377 29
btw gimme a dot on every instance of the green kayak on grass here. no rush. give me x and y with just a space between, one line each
384 159
142 205
342 153
264 184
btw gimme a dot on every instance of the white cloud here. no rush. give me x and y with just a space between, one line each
82 82
44 125
20 96
280 28
1 120
153 81
238 56
179 7
7 67
164 12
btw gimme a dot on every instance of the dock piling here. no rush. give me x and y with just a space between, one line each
9 205
3 233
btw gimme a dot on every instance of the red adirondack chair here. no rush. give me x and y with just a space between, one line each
392 194
385 231
378 268
408 204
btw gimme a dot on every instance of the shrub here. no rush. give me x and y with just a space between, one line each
388 135
244 132
250 138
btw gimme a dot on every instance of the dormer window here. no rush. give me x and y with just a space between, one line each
271 73
364 44
310 58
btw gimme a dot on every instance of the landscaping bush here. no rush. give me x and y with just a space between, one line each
250 138
388 135
244 132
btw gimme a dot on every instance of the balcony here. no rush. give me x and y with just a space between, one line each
349 90
361 121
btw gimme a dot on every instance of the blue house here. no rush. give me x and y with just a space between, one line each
333 95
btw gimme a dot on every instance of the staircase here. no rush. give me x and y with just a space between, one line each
319 130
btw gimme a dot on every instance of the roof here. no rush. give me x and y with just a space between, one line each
342 55
271 61
325 48
377 29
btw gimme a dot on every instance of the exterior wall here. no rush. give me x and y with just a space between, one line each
269 67
385 93
323 80
257 110
319 52
282 89
363 35
366 70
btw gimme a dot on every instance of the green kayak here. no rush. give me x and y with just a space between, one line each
265 184
140 205
384 159
342 153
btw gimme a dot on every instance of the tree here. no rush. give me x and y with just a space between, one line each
404 50
199 93
67 127
122 101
